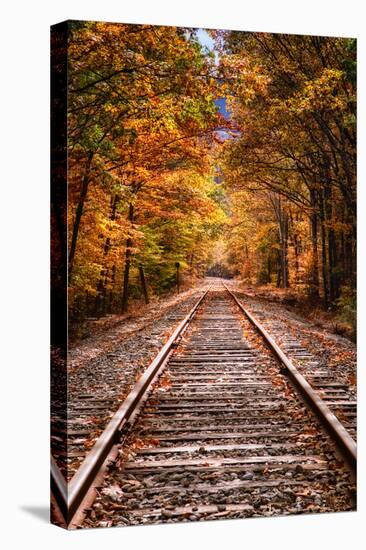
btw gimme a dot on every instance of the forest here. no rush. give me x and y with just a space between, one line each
232 156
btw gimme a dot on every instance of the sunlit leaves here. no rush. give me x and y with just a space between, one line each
141 107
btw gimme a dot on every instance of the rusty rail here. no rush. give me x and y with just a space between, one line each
70 496
338 432
58 487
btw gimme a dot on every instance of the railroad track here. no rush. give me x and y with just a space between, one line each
219 425
331 383
97 389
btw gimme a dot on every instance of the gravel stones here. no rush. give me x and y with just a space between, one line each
205 477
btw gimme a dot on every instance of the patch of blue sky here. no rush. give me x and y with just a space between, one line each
223 134
207 42
205 39
221 104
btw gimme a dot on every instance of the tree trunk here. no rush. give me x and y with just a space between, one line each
143 284
110 297
269 268
283 232
314 275
100 299
333 264
297 264
87 304
126 273
177 265
279 270
353 256
324 254
286 283
283 226
332 248
343 258
98 309
79 213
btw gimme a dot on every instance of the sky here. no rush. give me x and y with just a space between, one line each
221 103
206 41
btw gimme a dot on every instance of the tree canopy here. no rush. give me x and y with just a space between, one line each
159 177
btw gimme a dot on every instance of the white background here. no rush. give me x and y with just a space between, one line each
24 302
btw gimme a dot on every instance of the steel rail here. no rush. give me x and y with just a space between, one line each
338 432
69 496
59 487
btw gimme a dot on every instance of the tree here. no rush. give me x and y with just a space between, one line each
293 103
141 118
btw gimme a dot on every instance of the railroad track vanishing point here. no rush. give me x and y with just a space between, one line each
221 424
